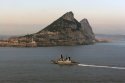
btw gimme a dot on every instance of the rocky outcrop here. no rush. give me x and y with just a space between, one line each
65 22
88 32
64 31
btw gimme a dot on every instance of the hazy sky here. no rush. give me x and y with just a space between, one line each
29 16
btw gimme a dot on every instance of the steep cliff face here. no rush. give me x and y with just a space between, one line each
88 32
64 22
66 31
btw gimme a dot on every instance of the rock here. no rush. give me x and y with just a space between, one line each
88 32
68 16
67 31
64 22
63 32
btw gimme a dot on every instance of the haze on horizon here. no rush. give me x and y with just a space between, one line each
29 16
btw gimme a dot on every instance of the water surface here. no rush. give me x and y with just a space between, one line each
32 65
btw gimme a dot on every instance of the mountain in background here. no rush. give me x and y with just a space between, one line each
64 31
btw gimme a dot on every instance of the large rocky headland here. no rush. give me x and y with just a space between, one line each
64 31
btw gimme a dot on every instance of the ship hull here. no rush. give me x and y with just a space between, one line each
64 62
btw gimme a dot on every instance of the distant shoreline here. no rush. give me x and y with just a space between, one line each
33 44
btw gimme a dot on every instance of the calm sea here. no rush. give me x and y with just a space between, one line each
99 63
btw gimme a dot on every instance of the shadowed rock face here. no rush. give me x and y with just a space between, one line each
66 21
64 31
87 29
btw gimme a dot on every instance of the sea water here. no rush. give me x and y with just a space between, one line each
99 63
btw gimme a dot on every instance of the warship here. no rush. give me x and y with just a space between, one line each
64 61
